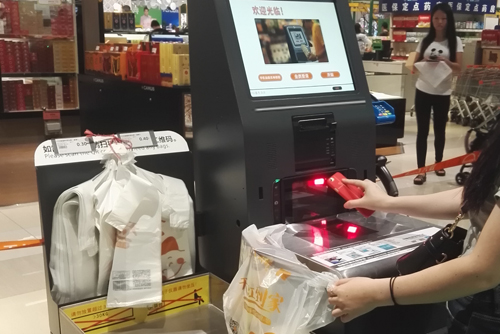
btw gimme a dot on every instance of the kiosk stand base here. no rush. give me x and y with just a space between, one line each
172 316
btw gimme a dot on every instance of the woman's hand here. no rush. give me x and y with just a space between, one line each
312 57
354 297
445 60
375 198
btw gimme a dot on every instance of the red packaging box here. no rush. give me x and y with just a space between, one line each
490 38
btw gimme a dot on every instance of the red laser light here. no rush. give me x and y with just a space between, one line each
318 240
352 229
319 182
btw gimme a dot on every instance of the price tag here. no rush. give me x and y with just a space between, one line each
97 48
154 50
140 139
49 2
71 145
51 115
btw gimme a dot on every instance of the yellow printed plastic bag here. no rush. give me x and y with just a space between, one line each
274 293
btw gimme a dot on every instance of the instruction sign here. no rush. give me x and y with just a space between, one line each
343 258
80 149
95 317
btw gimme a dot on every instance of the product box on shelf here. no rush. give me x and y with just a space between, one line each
167 50
424 21
399 35
119 21
150 69
64 56
134 55
119 64
106 63
490 38
108 21
28 97
15 22
116 21
43 88
124 21
61 19
131 21
165 64
398 22
180 70
491 57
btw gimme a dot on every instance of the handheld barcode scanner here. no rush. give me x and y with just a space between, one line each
298 45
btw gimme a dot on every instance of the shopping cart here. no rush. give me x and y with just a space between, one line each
476 97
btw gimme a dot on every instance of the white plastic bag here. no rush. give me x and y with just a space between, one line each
273 292
135 278
73 252
149 216
178 248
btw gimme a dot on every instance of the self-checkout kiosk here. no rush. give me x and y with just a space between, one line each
280 103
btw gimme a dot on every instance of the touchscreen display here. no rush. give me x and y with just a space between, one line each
291 47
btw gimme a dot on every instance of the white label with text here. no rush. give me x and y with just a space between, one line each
72 145
139 139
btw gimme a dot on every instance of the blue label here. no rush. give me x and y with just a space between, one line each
425 6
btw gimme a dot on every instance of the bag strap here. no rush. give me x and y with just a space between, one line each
450 229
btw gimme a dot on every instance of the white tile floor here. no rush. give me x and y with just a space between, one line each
22 277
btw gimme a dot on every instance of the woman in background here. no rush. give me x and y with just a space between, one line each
364 43
441 44
146 19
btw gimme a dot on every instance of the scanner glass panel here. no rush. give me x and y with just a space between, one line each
291 47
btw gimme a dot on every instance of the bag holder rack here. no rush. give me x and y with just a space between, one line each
57 173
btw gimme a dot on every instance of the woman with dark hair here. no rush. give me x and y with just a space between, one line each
146 19
364 42
441 44
471 282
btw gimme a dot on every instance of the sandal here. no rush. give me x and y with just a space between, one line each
440 172
420 179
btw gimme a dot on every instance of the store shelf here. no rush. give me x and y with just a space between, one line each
470 30
35 75
406 42
36 111
35 114
410 28
14 36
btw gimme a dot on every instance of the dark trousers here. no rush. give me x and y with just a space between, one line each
424 103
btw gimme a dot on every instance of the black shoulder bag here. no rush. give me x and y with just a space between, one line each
445 245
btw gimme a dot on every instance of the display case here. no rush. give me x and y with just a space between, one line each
38 55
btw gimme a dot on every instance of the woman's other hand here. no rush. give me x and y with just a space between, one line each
354 297
374 199
445 60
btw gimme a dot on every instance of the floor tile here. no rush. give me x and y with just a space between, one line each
14 235
7 225
18 253
25 314
25 215
21 275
